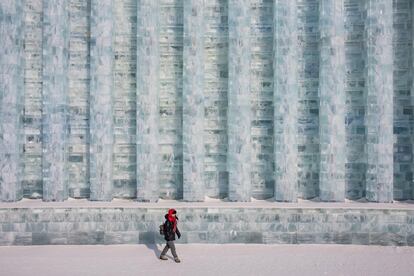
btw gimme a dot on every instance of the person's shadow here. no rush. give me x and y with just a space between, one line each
155 247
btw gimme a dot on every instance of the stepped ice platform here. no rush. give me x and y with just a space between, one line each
121 221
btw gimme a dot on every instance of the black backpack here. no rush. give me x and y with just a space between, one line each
162 227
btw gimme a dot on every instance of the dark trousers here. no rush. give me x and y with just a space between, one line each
170 244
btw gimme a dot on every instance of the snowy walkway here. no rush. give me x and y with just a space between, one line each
207 259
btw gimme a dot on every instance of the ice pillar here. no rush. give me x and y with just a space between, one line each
55 122
379 100
332 101
412 95
148 67
101 100
11 92
79 13
193 101
285 100
239 113
215 98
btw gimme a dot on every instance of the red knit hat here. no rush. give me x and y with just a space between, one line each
172 218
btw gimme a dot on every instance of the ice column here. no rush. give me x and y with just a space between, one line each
285 100
79 13
412 88
215 98
11 92
170 99
55 122
239 112
124 175
101 99
379 101
193 101
332 101
403 119
32 179
148 67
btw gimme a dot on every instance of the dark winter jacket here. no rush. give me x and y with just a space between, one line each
169 234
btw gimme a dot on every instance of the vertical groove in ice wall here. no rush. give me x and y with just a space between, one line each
124 93
193 101
148 66
412 98
402 45
11 92
32 118
101 100
261 91
215 98
332 101
239 105
285 100
379 101
355 167
170 99
55 102
79 14
308 100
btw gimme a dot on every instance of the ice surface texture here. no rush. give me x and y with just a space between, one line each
182 99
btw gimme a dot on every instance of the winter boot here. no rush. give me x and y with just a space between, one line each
162 257
177 260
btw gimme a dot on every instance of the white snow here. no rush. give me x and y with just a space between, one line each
207 259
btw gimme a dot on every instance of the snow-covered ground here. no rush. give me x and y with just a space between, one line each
207 259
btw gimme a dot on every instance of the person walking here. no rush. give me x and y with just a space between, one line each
170 229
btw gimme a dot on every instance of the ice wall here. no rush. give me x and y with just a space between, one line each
308 99
147 116
408 173
285 98
215 98
261 96
239 105
355 167
182 99
402 82
11 92
379 100
171 99
332 101
193 101
32 182
101 99
79 85
55 57
125 98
